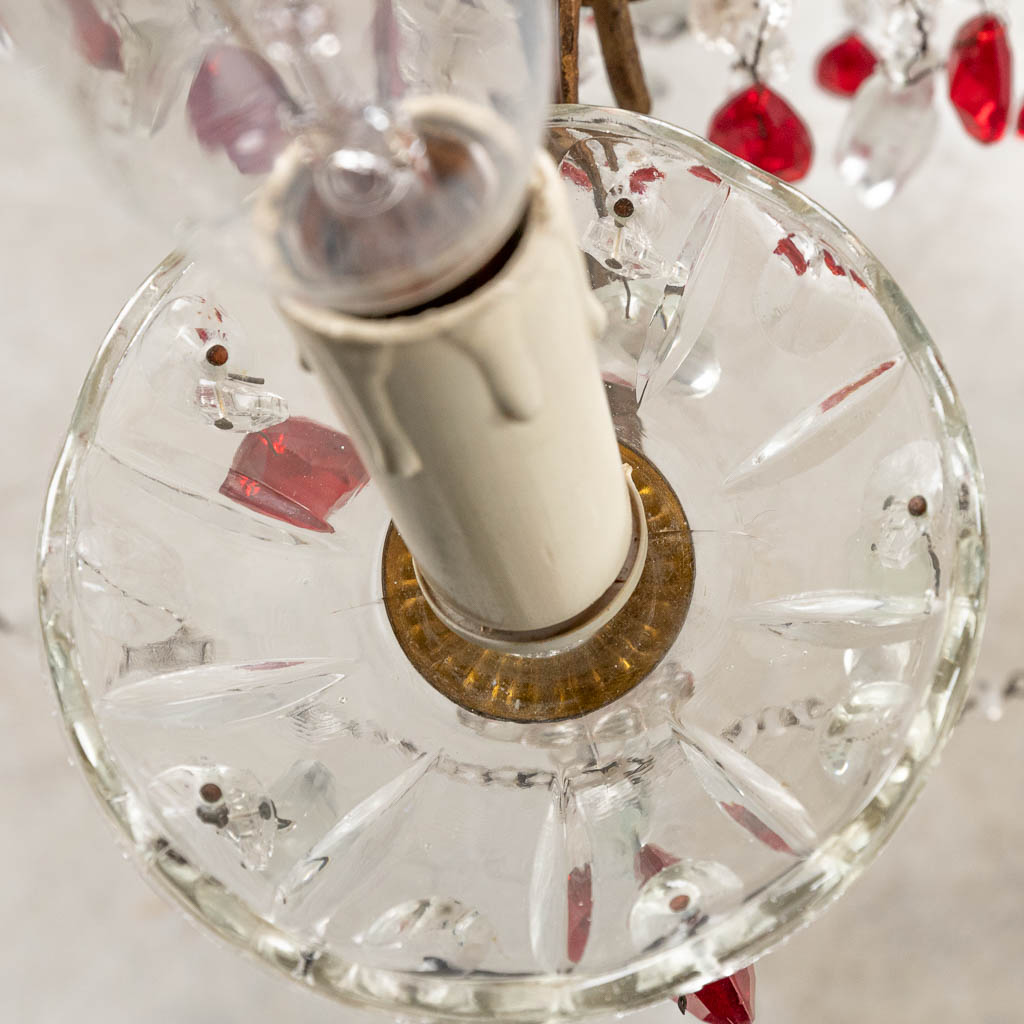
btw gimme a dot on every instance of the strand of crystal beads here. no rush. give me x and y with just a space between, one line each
892 122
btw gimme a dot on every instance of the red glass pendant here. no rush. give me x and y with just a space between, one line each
1020 123
761 127
298 471
980 77
726 1001
845 64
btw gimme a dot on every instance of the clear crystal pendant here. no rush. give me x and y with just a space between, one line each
888 131
242 649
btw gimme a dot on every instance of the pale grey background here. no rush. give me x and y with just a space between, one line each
934 932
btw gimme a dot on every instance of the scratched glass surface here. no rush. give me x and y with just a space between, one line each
211 602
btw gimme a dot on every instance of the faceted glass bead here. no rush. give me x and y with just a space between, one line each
759 126
980 77
887 133
726 1001
897 31
733 25
844 66
299 472
774 57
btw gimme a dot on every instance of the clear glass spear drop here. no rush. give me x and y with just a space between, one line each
887 134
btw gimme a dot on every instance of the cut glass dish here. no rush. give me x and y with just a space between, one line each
212 608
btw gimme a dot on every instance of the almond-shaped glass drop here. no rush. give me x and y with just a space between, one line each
888 132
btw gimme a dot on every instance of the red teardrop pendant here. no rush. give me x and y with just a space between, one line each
761 127
980 75
845 64
726 1001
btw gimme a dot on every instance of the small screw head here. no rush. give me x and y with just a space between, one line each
623 208
918 505
223 423
216 355
679 903
266 810
613 263
210 792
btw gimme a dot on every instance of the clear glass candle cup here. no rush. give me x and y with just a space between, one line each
212 608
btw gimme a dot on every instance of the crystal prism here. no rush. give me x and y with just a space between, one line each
239 406
759 126
980 77
887 133
561 886
220 803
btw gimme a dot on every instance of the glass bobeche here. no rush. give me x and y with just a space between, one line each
377 842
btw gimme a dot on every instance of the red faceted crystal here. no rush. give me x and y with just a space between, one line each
845 64
726 1001
1020 123
298 471
581 906
980 77
761 127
